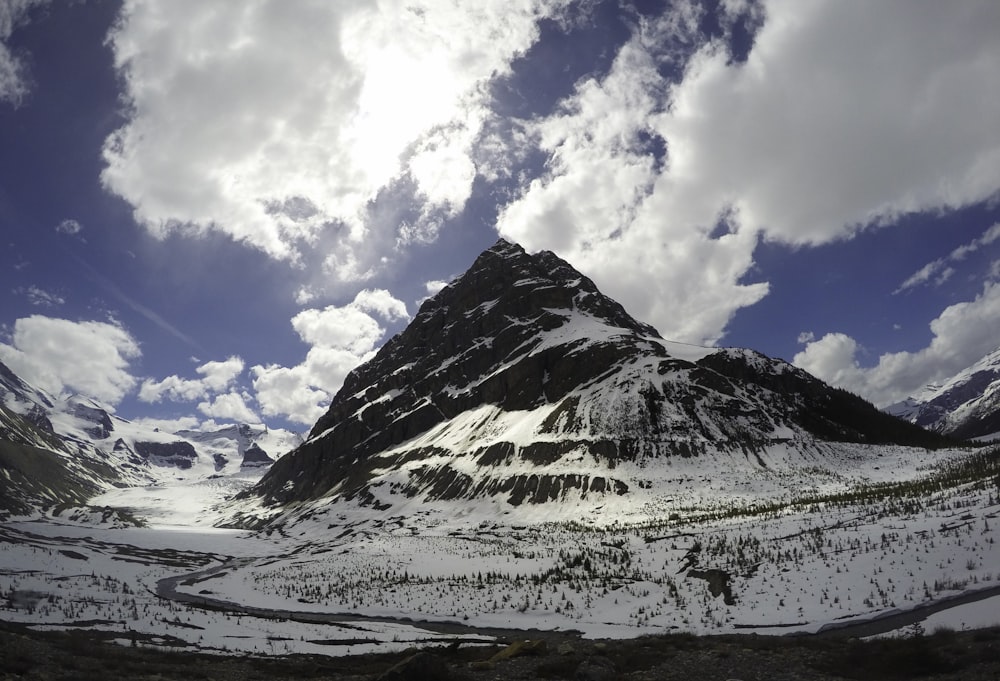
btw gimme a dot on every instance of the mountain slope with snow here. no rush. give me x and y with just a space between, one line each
520 383
63 451
966 406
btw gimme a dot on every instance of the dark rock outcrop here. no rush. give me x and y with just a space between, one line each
255 457
179 454
101 426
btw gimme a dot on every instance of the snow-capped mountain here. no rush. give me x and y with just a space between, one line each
521 382
965 406
62 451
251 445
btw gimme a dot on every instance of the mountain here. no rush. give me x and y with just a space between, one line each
521 382
966 406
62 451
251 445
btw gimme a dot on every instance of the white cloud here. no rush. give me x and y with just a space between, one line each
806 337
939 269
69 226
346 327
608 209
230 406
434 287
88 357
216 377
341 338
276 122
289 393
219 375
174 388
382 303
39 297
962 334
844 115
14 81
305 295
168 425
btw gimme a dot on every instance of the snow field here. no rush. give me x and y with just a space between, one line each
793 570
736 547
61 576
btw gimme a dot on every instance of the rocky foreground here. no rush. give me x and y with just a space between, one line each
943 655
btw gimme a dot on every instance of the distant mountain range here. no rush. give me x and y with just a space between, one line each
966 406
58 452
522 383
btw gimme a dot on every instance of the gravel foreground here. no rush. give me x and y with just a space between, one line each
84 655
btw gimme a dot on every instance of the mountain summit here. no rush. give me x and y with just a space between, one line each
965 406
521 382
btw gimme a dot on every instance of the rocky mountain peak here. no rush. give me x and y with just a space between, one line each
520 372
496 312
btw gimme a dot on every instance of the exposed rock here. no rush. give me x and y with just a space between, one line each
255 457
596 668
526 647
179 454
718 583
102 426
565 648
419 667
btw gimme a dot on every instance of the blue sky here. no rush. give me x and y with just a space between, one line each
212 211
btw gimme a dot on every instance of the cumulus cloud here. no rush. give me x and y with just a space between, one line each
230 406
940 270
59 355
382 303
962 334
14 81
608 207
341 338
279 122
215 377
842 117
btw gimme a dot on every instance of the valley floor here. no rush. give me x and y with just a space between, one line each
899 561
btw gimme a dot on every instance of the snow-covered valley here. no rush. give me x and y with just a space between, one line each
347 579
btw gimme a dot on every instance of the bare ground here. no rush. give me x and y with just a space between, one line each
945 655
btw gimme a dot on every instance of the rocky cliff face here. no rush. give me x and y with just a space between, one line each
966 406
521 381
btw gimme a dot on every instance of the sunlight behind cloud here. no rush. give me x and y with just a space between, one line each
276 123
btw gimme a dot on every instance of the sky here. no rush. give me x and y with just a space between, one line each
212 211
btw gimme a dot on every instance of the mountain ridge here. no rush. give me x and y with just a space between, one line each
63 451
521 381
965 406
